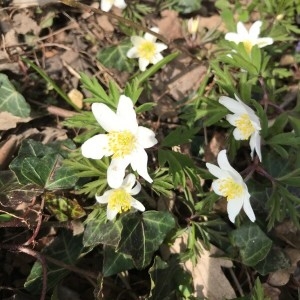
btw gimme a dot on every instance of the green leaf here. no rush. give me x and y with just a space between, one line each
295 122
275 260
169 280
5 217
65 248
252 242
115 262
145 107
11 100
98 232
179 136
288 138
187 6
115 57
41 165
142 234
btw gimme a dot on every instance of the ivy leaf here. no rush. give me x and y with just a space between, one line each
115 57
115 262
65 248
142 234
254 245
41 165
11 100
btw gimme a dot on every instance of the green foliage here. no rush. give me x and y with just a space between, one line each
258 292
11 100
185 6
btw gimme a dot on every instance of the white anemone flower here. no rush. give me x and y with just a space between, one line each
249 38
246 123
146 49
125 141
120 199
230 184
106 5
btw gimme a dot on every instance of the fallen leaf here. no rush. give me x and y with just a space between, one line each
23 24
76 97
279 278
8 121
271 292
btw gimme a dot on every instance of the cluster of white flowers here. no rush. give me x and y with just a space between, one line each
125 142
247 125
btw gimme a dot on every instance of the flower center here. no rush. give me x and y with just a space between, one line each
230 189
243 123
146 50
121 143
248 46
119 201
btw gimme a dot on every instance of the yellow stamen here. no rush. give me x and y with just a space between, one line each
230 189
243 123
248 46
119 200
146 50
121 143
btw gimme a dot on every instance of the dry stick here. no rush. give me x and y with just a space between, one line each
75 4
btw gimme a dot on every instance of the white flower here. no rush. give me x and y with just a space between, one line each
230 184
146 50
246 122
192 26
106 5
125 141
120 199
249 38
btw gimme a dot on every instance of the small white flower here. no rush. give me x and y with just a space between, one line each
230 184
246 122
192 26
125 141
120 199
146 50
249 38
106 5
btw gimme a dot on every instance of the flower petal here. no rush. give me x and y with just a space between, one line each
263 42
96 147
120 4
238 135
254 30
126 114
234 206
106 5
248 208
156 58
150 37
128 182
139 163
137 40
143 64
116 171
136 189
255 145
107 119
160 47
242 30
232 105
105 197
111 213
137 204
216 171
233 37
216 187
146 137
132 53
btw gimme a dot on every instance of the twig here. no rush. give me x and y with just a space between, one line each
236 282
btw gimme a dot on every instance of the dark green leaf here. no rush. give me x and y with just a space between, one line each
252 242
142 234
145 107
288 138
179 136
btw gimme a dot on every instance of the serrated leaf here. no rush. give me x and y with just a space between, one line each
142 234
41 165
252 242
115 262
115 57
179 136
65 248
145 107
11 100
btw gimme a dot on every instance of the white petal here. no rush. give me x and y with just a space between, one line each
128 182
224 163
107 119
139 163
106 5
242 30
136 189
232 105
126 114
254 30
216 171
137 40
255 145
132 53
232 118
143 63
263 42
156 58
111 213
137 204
120 4
116 171
216 187
160 47
233 37
105 197
238 135
248 209
150 37
146 137
233 208
96 147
